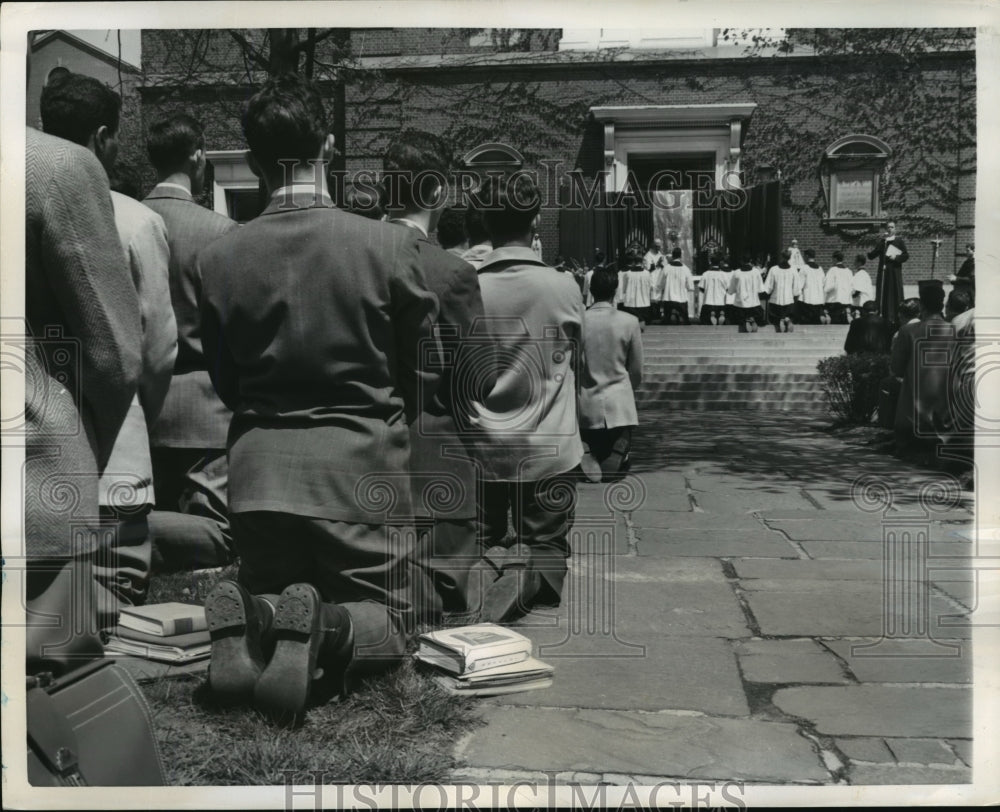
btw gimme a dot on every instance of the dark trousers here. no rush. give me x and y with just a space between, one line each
644 314
444 582
838 312
680 308
122 563
542 514
775 313
610 448
191 484
365 569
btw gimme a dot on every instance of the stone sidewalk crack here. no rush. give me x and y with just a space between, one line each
797 546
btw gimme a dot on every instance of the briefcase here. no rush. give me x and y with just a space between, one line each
91 727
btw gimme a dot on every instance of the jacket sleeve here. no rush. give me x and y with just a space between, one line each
149 256
90 280
635 356
877 250
414 311
900 358
473 363
904 255
222 367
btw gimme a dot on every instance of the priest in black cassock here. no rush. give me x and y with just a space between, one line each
891 253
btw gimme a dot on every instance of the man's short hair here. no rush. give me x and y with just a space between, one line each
451 228
603 284
675 254
285 121
959 300
908 310
838 256
475 226
365 201
809 253
786 255
931 298
172 141
415 163
509 205
871 306
860 259
74 106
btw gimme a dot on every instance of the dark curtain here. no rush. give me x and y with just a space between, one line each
720 223
610 228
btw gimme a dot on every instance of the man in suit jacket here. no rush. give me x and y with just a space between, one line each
416 164
612 369
921 356
527 435
189 437
313 322
869 333
82 109
891 253
82 364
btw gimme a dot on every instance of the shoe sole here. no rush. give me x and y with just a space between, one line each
233 670
510 596
282 691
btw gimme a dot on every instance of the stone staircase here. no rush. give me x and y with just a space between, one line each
713 368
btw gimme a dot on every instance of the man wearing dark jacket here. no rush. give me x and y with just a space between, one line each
416 164
313 322
869 333
188 439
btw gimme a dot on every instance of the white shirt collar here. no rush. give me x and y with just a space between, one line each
175 186
404 221
302 188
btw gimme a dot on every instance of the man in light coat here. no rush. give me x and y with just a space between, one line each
84 110
83 360
612 351
526 432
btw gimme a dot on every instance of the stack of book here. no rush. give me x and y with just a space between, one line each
482 660
163 632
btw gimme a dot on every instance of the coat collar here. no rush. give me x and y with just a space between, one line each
601 306
513 253
402 221
171 191
296 197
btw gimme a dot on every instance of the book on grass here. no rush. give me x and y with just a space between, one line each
467 649
164 619
527 675
178 648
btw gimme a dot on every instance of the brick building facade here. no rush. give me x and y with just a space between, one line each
907 121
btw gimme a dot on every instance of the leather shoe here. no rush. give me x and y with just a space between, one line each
235 627
282 692
511 595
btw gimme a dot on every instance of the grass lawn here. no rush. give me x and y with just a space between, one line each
399 727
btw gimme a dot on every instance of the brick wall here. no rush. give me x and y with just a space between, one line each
542 112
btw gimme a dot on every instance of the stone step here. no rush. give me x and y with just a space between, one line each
713 367
731 386
726 394
804 407
720 377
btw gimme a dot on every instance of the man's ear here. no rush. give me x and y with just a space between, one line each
329 147
254 166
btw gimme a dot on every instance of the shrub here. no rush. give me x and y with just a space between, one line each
851 384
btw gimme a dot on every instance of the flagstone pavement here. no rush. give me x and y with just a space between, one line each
757 601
